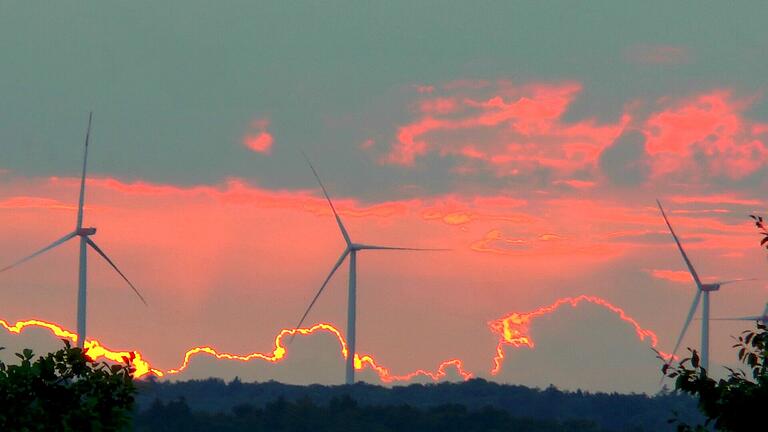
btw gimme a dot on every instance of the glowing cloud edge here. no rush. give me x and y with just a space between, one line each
513 330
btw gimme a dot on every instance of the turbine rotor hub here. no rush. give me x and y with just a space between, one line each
85 232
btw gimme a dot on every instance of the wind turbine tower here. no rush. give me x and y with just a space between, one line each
351 250
702 290
85 241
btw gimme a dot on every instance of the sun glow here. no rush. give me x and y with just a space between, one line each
513 331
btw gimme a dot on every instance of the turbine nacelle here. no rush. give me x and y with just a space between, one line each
85 232
710 286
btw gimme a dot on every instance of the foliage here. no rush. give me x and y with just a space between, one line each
345 414
762 228
732 403
204 400
65 391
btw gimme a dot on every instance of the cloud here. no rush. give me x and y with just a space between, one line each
258 139
497 242
706 136
234 247
261 143
600 356
731 198
521 131
625 162
29 202
454 210
679 276
509 129
576 184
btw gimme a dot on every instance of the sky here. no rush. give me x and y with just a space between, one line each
531 140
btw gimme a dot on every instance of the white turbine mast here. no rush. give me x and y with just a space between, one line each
701 289
351 249
85 241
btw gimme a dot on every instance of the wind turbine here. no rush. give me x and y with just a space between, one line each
762 318
85 240
351 249
701 288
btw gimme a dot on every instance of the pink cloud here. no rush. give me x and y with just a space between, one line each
258 139
706 135
679 276
509 129
261 143
519 130
29 202
227 254
715 199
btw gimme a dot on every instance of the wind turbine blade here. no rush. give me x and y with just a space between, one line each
327 197
680 246
103 255
81 201
320 291
47 248
735 280
691 312
747 318
373 247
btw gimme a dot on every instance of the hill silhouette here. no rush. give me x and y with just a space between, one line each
212 403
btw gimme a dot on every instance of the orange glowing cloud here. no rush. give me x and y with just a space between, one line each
224 248
679 276
455 212
237 191
258 139
715 199
520 129
28 202
96 351
514 329
706 135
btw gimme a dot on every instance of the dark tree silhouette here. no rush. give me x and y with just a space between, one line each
763 230
65 391
733 403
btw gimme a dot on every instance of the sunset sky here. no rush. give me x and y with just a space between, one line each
530 139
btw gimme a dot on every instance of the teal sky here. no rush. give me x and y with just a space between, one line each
174 85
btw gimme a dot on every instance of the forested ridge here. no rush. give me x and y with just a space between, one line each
477 404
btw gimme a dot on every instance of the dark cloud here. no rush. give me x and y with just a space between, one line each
625 162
